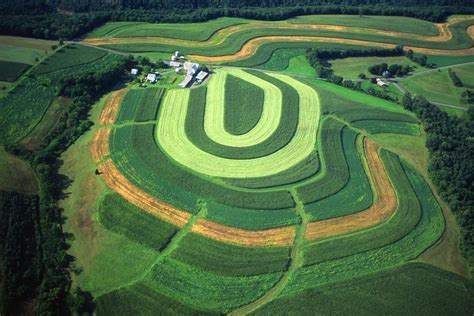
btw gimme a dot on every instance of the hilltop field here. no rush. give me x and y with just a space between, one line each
264 189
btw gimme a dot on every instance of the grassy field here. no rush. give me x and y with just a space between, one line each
412 288
11 71
350 68
389 23
436 87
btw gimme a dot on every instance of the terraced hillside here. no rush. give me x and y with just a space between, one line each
232 41
264 188
232 221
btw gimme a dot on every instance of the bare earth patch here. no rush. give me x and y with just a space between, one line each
111 108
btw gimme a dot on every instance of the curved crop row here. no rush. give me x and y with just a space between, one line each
214 117
356 195
139 105
281 137
171 136
242 41
243 105
393 127
425 231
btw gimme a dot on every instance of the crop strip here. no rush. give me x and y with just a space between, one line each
109 114
382 209
100 144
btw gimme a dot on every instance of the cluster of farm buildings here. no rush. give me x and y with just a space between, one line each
195 74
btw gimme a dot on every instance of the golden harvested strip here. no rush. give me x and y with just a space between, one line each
100 144
380 211
117 182
111 108
171 135
215 106
282 236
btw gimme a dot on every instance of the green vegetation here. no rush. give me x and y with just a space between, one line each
11 71
356 195
388 23
230 260
141 299
205 290
140 105
243 105
135 153
16 174
393 127
187 31
409 289
34 94
435 86
286 129
351 67
119 216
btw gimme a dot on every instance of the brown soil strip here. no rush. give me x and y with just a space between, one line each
282 236
381 210
100 144
109 113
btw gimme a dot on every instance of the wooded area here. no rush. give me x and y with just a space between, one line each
49 19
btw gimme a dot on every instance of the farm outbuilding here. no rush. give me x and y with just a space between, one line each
152 78
134 71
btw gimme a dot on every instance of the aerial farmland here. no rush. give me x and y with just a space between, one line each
268 163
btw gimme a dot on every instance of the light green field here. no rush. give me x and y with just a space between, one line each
24 50
351 67
435 86
299 65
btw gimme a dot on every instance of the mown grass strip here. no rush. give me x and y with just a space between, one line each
214 116
135 153
171 137
281 136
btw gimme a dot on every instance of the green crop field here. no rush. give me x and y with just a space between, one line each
259 190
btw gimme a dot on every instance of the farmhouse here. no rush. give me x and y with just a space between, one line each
381 83
152 78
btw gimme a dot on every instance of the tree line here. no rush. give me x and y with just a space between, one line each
44 19
53 271
451 162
